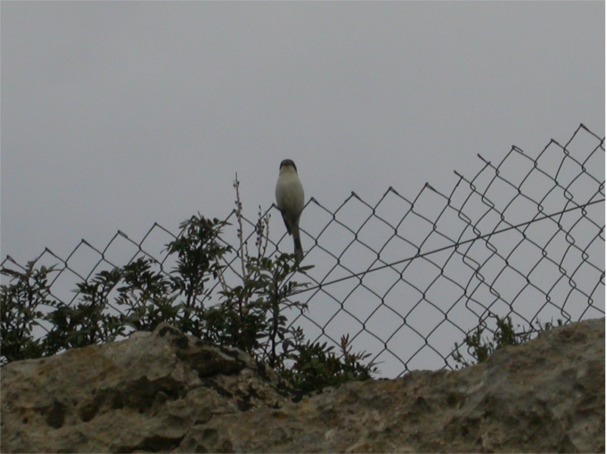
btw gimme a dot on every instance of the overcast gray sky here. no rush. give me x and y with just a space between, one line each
116 115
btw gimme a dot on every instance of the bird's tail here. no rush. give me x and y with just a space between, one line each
298 248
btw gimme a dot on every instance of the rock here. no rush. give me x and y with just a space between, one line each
169 392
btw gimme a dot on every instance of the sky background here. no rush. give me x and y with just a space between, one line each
116 115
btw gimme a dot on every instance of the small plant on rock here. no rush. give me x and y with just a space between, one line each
480 348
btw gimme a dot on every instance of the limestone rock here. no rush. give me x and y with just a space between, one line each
169 392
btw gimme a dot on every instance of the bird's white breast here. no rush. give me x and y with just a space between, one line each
289 192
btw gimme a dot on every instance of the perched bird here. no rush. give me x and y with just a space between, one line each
290 201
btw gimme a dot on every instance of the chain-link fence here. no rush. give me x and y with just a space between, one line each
409 278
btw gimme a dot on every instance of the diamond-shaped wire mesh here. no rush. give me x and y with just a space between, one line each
408 279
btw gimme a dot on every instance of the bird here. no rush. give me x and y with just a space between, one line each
290 202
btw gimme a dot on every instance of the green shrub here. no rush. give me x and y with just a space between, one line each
251 314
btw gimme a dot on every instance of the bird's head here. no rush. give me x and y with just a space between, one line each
288 164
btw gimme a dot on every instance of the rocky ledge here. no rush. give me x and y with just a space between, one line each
168 392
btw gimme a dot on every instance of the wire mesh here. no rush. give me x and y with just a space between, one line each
407 279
